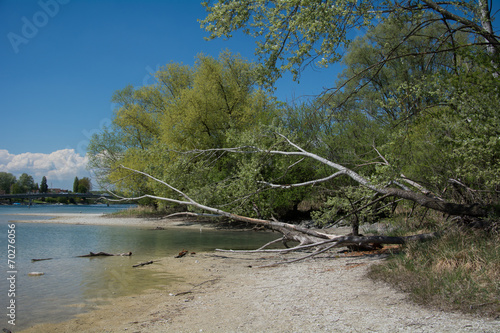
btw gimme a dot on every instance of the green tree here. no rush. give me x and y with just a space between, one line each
6 181
290 35
187 108
17 189
43 185
397 81
75 185
25 183
221 97
408 119
378 100
62 200
84 185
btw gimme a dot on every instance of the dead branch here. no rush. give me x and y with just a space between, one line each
105 254
182 254
363 207
271 243
144 263
339 242
290 232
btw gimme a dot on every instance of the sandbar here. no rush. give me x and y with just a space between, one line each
109 220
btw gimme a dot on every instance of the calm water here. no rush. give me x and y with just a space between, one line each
73 285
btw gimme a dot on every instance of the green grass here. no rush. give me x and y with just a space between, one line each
458 271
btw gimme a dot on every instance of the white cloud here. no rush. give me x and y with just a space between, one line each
60 167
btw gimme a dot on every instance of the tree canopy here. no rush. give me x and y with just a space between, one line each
6 181
196 107
44 187
292 35
24 184
407 118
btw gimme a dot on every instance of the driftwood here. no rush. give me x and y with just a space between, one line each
104 254
182 254
34 260
144 263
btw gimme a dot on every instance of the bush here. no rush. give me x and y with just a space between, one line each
459 271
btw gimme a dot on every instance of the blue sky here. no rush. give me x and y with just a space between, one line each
61 61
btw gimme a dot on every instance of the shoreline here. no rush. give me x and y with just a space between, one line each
226 292
223 294
106 220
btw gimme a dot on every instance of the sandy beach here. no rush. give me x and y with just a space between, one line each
101 219
227 292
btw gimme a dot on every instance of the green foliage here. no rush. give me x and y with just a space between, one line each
17 189
62 200
234 182
6 181
346 201
84 185
51 200
25 183
249 185
477 141
290 35
408 107
43 185
187 108
75 185
459 141
221 96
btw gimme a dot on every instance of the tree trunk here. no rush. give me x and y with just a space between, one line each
475 210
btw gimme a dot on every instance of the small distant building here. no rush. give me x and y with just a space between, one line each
58 191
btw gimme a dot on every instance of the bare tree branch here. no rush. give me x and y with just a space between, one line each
425 200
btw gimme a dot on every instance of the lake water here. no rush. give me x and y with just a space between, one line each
73 285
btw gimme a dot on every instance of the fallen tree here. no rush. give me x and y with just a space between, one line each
320 240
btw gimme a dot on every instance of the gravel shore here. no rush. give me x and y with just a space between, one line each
227 292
